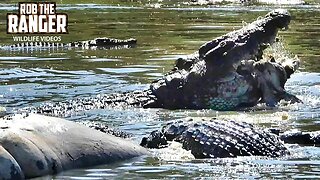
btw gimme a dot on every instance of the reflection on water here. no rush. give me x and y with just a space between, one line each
29 78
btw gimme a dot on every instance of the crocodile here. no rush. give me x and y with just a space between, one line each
30 149
97 43
218 138
226 73
229 72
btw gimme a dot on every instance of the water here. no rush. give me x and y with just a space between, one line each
30 78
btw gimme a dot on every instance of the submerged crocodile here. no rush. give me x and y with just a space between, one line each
97 43
227 73
219 139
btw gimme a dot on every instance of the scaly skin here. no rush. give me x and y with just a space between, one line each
226 73
97 43
220 138
217 139
214 78
67 108
304 138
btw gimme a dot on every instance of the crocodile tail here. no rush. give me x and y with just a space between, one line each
303 138
67 108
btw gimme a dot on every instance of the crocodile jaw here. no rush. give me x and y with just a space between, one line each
247 43
194 79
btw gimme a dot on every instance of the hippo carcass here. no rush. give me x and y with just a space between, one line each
35 145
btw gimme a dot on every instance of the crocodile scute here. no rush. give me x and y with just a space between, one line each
226 73
217 139
212 77
96 43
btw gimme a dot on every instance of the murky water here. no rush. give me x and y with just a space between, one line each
29 78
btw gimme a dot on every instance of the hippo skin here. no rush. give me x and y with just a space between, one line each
34 145
226 73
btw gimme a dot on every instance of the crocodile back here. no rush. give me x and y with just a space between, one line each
220 139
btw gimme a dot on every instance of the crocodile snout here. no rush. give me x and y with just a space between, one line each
280 18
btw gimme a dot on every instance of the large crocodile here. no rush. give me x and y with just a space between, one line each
219 138
226 73
229 72
97 43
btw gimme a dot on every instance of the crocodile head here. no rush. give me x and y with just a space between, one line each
227 51
223 55
196 81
